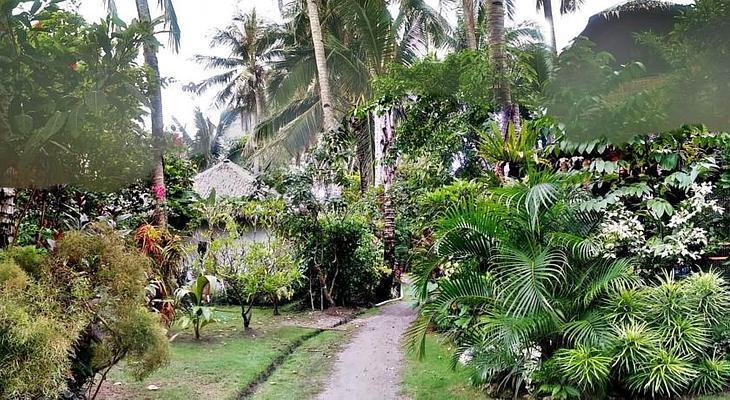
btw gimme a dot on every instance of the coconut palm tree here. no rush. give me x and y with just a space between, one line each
496 42
470 12
149 51
253 44
363 38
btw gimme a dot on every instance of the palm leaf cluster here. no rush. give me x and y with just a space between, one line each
543 303
208 145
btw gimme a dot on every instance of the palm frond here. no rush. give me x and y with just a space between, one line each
527 278
170 17
590 329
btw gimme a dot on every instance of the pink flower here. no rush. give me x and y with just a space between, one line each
160 191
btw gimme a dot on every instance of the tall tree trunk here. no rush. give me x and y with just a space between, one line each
364 152
379 145
259 98
495 37
389 170
470 22
7 216
509 112
547 8
329 121
158 128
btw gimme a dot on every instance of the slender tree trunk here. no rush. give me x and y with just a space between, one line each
389 213
470 22
508 112
259 98
364 152
246 315
379 144
547 8
149 51
495 37
276 304
323 287
7 216
329 121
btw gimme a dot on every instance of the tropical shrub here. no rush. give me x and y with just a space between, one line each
69 317
275 267
340 253
193 303
533 304
335 241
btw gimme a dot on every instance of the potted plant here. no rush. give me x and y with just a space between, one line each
718 253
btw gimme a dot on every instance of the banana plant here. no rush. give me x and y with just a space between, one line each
192 301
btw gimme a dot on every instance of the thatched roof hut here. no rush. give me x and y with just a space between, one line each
613 30
227 179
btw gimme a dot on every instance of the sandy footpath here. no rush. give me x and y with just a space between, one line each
369 366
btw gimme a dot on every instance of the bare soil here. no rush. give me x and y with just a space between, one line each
326 319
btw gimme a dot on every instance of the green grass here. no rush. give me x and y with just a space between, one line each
223 362
433 379
302 375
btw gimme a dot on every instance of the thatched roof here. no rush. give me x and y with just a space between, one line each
227 179
613 30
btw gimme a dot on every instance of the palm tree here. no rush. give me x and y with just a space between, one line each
328 118
470 21
208 142
149 51
362 39
496 42
566 6
253 45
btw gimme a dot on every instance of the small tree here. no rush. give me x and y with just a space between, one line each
273 266
252 271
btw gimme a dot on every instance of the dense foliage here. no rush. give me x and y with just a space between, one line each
563 218
70 316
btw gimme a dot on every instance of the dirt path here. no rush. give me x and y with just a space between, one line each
369 366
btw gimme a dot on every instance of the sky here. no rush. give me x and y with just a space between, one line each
199 18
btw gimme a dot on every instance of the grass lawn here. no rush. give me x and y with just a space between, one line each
303 374
433 379
218 366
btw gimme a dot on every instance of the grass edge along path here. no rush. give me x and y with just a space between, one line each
252 387
264 375
433 378
304 373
